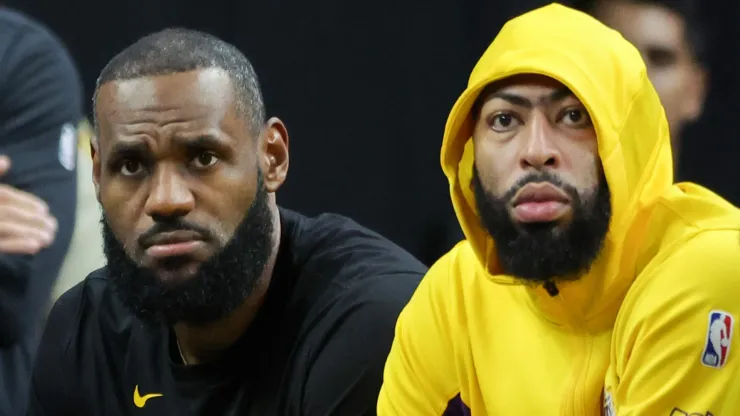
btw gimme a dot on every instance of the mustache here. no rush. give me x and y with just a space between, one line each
540 177
176 224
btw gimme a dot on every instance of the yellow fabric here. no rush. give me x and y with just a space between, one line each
636 326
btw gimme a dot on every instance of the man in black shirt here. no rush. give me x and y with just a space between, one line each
40 107
214 301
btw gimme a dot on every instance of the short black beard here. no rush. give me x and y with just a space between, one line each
540 252
220 285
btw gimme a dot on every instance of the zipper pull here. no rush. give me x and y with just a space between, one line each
551 289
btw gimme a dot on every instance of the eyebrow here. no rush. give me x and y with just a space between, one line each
140 147
202 141
122 148
516 99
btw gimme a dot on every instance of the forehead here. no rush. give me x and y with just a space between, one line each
195 94
643 24
529 85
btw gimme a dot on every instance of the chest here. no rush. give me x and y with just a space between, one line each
537 367
232 397
142 381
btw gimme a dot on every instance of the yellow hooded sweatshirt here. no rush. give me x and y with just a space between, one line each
648 331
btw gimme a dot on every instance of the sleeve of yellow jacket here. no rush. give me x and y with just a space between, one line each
419 377
664 329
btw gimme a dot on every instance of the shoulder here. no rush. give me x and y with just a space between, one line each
12 22
26 46
345 273
442 291
706 265
79 307
681 287
25 37
331 244
89 292
457 272
76 332
697 252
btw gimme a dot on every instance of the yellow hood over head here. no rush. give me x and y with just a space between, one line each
608 76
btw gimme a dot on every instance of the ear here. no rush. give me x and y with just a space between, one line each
696 93
95 154
274 159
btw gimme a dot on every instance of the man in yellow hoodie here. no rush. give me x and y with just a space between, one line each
588 284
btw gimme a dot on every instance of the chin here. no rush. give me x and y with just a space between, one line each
556 226
539 227
174 275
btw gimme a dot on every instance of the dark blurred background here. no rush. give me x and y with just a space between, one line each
365 88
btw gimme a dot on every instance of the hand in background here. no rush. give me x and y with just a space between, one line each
26 226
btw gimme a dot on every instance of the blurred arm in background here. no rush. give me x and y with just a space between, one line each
40 106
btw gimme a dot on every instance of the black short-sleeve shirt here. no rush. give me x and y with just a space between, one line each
317 346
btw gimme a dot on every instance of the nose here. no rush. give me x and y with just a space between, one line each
169 195
539 150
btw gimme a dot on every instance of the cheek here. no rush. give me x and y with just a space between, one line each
667 83
592 172
227 202
111 203
496 165
491 178
229 216
121 207
584 166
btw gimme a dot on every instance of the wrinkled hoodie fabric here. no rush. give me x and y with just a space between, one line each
647 331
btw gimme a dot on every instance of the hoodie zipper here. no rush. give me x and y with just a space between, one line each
574 406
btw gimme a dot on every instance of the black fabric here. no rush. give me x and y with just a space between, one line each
317 346
40 92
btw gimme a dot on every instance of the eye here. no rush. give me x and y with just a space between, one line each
659 57
503 122
204 160
130 167
576 117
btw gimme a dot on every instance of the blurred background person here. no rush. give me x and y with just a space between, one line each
40 106
672 40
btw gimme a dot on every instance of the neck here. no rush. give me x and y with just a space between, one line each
201 344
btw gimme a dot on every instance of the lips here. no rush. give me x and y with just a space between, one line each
175 243
172 237
540 203
540 192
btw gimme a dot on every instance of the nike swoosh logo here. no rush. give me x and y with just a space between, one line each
140 401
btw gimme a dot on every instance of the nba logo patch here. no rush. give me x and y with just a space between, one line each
719 335
68 146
